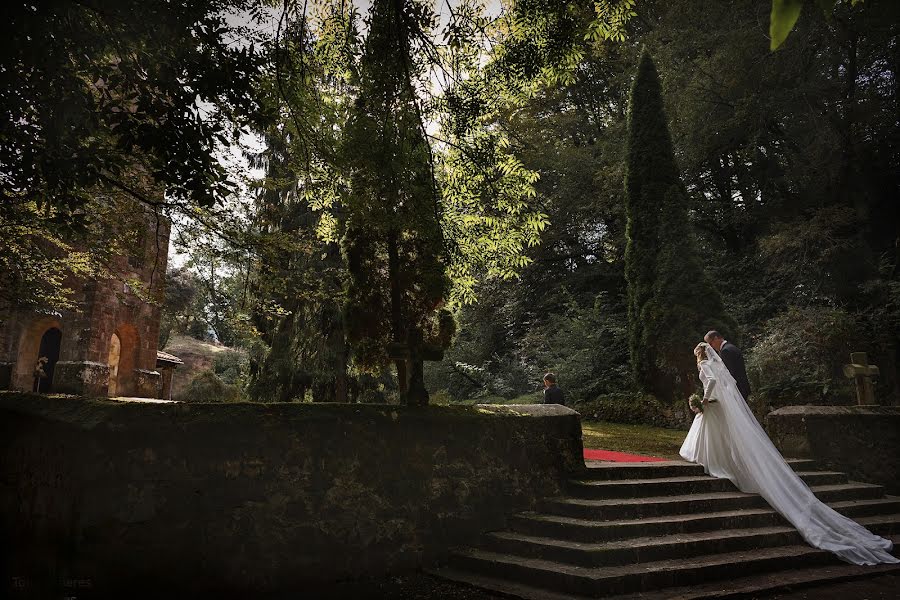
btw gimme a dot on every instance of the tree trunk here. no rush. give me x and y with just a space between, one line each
398 332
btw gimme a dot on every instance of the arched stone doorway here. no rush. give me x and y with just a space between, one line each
122 383
47 357
115 354
31 340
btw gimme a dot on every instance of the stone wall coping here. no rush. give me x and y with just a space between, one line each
89 413
812 410
524 410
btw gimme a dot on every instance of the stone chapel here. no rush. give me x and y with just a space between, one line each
108 346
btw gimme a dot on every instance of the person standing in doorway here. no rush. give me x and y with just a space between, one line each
552 393
39 373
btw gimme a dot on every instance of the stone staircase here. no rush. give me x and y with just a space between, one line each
666 530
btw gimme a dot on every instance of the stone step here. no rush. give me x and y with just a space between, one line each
657 548
764 583
660 486
631 578
802 464
737 587
639 550
587 530
692 503
649 470
564 578
812 478
630 488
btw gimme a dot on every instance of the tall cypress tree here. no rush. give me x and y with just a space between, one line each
671 301
393 244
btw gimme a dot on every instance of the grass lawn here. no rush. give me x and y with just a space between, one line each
636 439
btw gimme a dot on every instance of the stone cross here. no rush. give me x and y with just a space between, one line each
862 373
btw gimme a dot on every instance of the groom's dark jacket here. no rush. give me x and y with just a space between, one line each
734 360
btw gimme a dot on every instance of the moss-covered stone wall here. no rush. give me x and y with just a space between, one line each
862 441
260 497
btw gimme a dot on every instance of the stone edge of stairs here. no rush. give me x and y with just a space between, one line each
740 587
735 588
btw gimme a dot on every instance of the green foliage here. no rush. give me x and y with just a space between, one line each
785 14
232 367
43 253
584 345
791 200
89 86
513 190
492 214
651 172
393 245
178 314
36 261
635 408
671 301
209 387
480 191
94 94
800 355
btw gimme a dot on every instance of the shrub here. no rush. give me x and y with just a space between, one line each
799 358
232 367
208 387
635 408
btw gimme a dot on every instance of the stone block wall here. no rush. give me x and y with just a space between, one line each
81 377
863 441
248 498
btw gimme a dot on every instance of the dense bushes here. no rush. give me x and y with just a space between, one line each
232 367
584 342
799 358
635 408
208 387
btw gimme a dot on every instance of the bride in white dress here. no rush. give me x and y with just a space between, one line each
728 441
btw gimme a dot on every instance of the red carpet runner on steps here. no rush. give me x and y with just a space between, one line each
609 455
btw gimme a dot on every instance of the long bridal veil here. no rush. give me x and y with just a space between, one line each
758 467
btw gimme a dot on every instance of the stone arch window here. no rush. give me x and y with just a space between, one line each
128 342
43 334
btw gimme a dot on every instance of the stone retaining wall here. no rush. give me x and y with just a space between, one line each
863 441
201 499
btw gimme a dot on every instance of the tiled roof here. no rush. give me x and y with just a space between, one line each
168 358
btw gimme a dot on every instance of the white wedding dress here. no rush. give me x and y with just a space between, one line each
728 441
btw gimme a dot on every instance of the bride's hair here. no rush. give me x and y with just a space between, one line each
700 352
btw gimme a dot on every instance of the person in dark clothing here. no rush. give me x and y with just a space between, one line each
552 393
733 359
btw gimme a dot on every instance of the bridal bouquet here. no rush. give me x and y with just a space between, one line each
696 403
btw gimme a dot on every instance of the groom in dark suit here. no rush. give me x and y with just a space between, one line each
733 359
